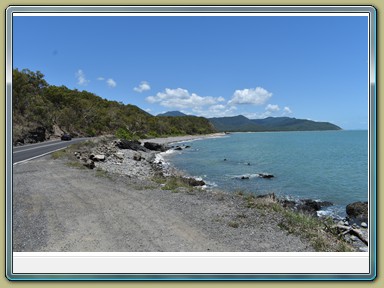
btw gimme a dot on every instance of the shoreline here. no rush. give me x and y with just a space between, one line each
176 139
221 215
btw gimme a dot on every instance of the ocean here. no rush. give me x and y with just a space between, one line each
321 165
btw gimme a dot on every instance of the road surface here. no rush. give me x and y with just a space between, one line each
28 152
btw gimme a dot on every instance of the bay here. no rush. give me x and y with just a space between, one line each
320 165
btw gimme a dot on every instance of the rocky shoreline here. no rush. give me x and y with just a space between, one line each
142 161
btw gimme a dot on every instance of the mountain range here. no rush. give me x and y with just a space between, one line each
241 123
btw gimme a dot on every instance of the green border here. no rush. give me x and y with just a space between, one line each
4 4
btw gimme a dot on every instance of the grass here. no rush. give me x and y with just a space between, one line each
59 154
75 164
316 231
102 173
174 183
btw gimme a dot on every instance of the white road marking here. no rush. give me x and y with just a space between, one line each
38 156
36 147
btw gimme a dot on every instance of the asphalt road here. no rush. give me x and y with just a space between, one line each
28 152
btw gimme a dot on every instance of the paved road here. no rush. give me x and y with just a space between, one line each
32 151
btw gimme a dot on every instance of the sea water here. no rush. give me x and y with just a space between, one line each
322 165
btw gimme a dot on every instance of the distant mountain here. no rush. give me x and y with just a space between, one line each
172 113
243 124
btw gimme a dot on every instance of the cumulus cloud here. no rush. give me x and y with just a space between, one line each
272 108
181 99
287 110
111 83
255 96
143 86
81 80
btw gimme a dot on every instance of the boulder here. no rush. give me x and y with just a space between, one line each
358 211
132 145
137 157
89 164
99 157
311 207
155 146
265 175
194 182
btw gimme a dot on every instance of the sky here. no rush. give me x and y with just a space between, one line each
307 67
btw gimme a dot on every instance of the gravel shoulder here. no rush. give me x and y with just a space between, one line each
61 208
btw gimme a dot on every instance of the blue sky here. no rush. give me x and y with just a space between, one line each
305 67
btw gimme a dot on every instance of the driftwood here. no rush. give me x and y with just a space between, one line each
356 232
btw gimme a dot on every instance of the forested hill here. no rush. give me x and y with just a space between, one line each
41 111
243 124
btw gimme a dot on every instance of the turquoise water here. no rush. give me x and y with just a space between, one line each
322 165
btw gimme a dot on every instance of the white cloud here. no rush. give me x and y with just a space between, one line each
287 110
100 78
181 99
81 80
272 108
111 83
143 86
255 96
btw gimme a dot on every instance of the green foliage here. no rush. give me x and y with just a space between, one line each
242 124
81 113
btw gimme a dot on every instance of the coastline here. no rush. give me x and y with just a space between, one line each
175 139
131 206
309 207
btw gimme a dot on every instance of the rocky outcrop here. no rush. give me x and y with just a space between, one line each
155 146
307 206
265 175
357 212
194 182
132 145
38 134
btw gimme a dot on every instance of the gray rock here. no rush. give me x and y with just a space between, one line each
358 211
364 225
137 157
99 157
89 164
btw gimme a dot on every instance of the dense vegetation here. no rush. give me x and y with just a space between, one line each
41 110
243 124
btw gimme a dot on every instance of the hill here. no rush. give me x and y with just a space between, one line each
41 111
173 114
243 124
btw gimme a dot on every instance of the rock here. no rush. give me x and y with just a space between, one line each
244 177
89 164
353 238
33 136
137 157
132 145
265 175
194 182
271 196
119 155
99 157
358 211
178 148
288 203
364 225
155 147
311 206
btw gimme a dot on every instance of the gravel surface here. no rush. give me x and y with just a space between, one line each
60 208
